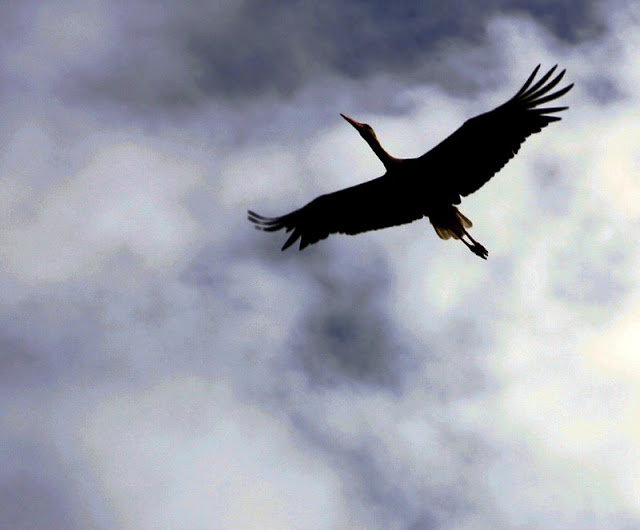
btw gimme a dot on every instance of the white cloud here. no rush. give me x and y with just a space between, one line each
616 163
186 454
128 197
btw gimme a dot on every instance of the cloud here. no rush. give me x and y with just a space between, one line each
230 465
127 197
36 494
163 364
174 58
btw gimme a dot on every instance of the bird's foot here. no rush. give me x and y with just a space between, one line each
479 250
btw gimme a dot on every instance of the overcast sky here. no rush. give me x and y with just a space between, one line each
164 365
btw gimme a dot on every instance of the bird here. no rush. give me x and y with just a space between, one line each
430 185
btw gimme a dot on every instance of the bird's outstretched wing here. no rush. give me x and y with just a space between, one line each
468 158
372 205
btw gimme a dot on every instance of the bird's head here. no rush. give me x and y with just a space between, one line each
364 129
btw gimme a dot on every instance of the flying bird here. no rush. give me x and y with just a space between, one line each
432 184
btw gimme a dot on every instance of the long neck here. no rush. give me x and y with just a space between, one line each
388 160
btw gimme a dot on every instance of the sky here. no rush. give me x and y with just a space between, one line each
164 365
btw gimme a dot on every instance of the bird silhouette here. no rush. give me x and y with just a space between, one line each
432 184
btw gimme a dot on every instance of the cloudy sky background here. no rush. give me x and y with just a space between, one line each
163 365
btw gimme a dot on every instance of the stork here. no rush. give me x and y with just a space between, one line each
431 185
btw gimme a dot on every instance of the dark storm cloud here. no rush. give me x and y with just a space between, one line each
67 329
35 489
346 336
180 55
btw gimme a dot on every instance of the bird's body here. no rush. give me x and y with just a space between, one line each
432 184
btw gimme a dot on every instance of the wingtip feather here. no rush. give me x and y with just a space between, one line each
527 83
540 84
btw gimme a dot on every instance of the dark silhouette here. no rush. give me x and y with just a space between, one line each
429 185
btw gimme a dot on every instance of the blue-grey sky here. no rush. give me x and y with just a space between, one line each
164 365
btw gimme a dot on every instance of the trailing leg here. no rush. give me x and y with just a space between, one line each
476 247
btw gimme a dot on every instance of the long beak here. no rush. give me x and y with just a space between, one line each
355 123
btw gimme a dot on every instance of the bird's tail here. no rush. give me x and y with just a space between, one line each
452 226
